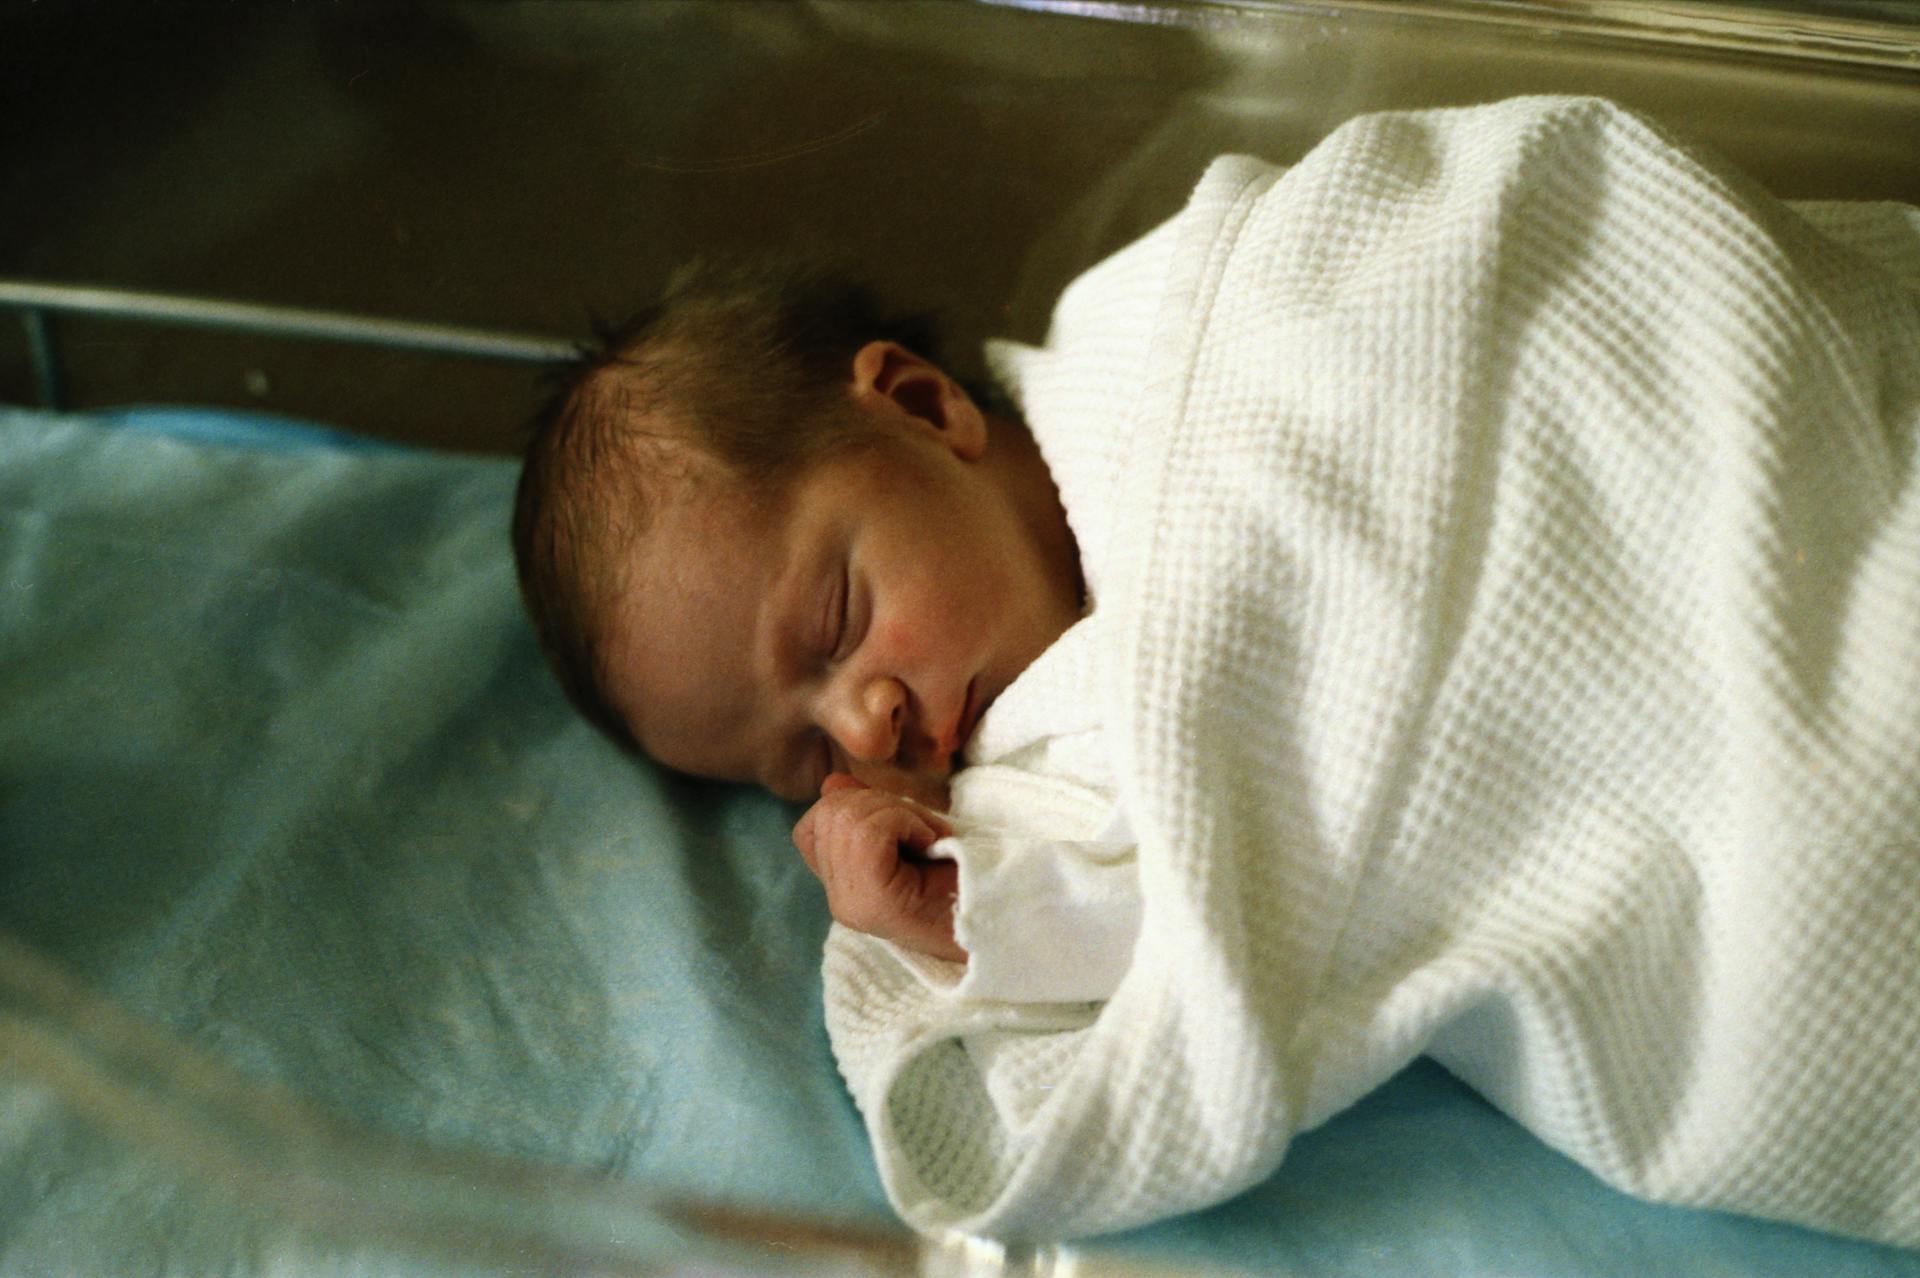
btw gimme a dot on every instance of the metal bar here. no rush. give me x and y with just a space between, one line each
43 345
284 321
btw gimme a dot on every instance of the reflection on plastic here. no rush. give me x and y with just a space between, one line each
302 1185
268 1153
1841 37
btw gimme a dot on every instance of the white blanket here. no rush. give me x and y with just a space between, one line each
1513 580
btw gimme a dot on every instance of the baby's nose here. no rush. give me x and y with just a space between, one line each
875 734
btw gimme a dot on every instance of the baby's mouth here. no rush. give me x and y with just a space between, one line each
969 717
933 769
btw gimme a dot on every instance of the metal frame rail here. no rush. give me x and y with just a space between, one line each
38 303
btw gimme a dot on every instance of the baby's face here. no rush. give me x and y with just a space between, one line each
860 623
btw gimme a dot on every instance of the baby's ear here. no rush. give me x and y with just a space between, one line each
915 392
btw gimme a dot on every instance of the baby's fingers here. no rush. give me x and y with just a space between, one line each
928 921
922 826
844 813
864 850
861 862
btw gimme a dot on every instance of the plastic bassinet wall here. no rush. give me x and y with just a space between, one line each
526 165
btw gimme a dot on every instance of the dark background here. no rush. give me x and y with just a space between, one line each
524 165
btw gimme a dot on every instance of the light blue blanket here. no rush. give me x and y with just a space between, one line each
282 771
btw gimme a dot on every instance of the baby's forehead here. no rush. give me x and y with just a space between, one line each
700 503
655 489
680 658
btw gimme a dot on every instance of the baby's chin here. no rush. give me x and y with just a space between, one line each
928 788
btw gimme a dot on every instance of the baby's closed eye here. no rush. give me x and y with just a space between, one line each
833 628
849 613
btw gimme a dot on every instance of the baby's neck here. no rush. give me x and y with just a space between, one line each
1036 497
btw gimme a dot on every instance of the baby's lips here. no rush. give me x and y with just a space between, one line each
962 726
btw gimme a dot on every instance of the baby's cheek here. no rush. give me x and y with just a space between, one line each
910 636
955 608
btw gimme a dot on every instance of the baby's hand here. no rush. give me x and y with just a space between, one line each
863 844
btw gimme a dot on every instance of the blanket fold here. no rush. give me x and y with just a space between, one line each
1513 585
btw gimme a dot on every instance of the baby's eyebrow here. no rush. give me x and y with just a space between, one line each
790 622
799 597
773 640
794 638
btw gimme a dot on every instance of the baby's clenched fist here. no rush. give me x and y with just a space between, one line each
868 847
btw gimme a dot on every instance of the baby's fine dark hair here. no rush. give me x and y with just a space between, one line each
743 363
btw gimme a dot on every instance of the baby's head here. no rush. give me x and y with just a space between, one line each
764 538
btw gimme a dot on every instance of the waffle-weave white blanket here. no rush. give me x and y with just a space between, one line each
1513 568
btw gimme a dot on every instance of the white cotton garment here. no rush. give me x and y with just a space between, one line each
1049 899
1506 524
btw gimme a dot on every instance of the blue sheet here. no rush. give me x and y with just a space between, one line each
282 771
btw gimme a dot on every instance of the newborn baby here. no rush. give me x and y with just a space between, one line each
764 538
1457 595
